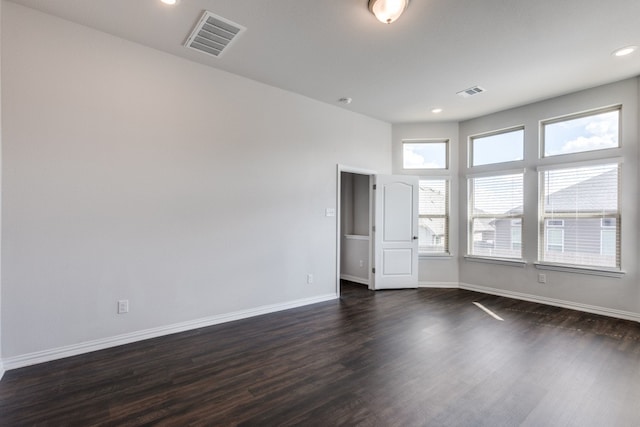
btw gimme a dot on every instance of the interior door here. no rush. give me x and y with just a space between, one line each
396 232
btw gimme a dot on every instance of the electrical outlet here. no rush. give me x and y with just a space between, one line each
309 279
361 263
542 278
123 306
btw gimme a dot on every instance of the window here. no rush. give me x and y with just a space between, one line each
433 222
580 217
495 216
582 132
428 154
498 147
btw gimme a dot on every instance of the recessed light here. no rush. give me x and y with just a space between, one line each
436 110
624 51
169 2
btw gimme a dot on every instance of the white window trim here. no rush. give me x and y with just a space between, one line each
579 115
610 272
447 216
470 149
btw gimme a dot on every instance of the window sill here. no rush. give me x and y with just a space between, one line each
435 256
501 261
580 270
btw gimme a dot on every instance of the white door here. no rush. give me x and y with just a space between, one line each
396 232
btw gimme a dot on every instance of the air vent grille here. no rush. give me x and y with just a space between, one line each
213 34
471 91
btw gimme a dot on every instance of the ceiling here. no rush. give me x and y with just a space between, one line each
519 51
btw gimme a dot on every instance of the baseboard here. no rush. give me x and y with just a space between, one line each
619 314
444 285
1 370
101 344
354 279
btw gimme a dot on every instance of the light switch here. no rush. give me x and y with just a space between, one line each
330 212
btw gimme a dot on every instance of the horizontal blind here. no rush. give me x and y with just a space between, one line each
496 210
433 223
580 217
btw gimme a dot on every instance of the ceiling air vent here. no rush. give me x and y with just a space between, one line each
471 91
213 34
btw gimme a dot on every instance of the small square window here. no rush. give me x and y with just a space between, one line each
425 154
498 147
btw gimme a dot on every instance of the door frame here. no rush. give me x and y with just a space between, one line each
360 171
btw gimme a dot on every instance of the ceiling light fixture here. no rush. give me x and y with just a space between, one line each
387 11
436 110
169 2
624 51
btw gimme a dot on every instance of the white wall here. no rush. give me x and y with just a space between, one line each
1 364
132 174
614 295
434 270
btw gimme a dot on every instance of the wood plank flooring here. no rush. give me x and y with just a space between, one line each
425 357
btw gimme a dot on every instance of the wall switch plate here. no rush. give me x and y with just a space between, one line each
330 212
309 279
123 306
542 278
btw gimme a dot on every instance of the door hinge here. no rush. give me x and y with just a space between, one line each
373 270
375 187
373 228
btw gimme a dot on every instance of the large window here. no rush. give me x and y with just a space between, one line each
580 216
495 215
433 223
425 154
581 132
497 147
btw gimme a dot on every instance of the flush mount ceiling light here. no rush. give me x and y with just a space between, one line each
169 2
387 11
624 51
437 110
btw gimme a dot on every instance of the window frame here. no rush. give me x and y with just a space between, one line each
542 232
513 216
425 141
471 149
446 216
574 116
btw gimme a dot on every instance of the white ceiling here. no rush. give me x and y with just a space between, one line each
519 51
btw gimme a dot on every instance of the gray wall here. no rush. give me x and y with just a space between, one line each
621 294
132 174
434 270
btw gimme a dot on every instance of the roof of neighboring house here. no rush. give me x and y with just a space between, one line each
591 195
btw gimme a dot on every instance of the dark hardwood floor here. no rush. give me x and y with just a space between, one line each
389 358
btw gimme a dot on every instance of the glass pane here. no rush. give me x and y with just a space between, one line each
492 237
499 148
595 132
433 197
432 235
591 189
424 155
581 242
497 194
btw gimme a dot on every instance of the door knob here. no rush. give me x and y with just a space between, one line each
415 237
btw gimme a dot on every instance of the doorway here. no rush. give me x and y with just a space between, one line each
354 255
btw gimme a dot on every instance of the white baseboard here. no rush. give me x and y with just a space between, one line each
100 344
619 314
354 279
445 285
1 369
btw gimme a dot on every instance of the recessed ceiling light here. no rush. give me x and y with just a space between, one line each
169 2
624 51
436 110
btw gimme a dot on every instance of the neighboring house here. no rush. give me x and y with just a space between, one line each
591 240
